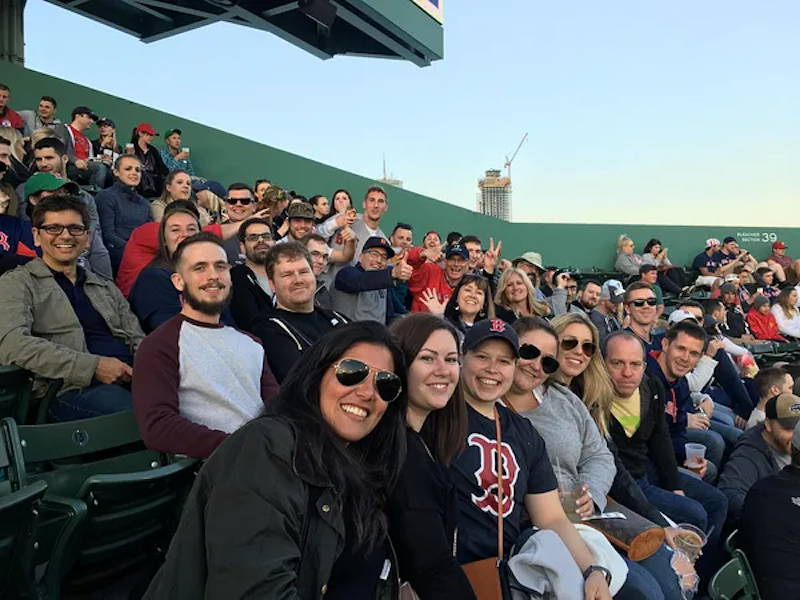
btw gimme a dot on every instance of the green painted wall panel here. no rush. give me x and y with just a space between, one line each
406 19
227 158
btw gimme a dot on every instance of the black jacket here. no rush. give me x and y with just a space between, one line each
651 441
249 299
768 533
423 515
249 529
624 490
751 461
258 523
287 334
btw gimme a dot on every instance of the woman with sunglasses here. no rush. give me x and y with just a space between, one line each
628 262
292 504
582 457
516 297
423 509
470 303
491 349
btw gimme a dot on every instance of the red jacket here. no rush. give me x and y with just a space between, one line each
426 275
764 327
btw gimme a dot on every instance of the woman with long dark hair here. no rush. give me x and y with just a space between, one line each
423 509
470 303
292 504
178 186
670 279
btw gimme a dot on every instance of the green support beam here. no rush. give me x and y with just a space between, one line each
12 32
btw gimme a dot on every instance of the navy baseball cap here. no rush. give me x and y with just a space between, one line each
215 187
491 329
457 250
377 241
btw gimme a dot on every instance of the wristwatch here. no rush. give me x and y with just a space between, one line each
592 568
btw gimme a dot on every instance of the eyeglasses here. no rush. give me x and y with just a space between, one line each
572 287
351 372
242 201
640 302
255 237
588 348
319 255
531 352
56 230
376 254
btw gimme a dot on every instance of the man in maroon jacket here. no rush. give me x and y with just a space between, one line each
201 380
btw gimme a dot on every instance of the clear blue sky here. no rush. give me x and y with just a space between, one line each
665 111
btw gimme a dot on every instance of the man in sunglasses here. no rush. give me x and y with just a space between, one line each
203 380
60 321
252 294
641 306
240 206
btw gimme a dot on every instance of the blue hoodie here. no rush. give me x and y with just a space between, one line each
677 407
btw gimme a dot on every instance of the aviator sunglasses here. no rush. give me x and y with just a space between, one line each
588 348
531 352
351 372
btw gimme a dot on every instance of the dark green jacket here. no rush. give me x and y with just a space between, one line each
248 529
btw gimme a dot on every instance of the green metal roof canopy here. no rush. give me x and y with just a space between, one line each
403 29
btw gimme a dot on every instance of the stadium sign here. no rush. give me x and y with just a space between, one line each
434 8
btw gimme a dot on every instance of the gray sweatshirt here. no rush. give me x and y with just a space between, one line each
571 436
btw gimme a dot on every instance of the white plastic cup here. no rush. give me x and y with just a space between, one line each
185 150
129 146
695 455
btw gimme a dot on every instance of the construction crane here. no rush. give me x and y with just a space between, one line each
507 166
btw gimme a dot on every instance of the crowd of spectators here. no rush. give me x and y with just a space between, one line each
120 260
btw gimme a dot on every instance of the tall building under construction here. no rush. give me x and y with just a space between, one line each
494 195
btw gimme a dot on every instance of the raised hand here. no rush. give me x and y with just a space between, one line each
402 270
347 235
431 301
492 256
434 254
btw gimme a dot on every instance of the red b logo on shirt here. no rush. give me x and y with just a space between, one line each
498 326
486 475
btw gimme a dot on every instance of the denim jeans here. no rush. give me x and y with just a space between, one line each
652 578
724 423
728 378
703 506
91 402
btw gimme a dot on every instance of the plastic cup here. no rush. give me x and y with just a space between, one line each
569 502
690 540
185 150
695 455
129 146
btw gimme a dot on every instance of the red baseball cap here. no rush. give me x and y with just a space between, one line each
146 128
779 245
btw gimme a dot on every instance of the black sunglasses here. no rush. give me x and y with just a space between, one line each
242 201
640 302
531 352
351 372
588 348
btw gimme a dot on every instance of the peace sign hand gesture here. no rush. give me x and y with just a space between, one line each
492 256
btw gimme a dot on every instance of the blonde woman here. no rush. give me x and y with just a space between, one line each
786 314
515 297
581 367
627 261
19 170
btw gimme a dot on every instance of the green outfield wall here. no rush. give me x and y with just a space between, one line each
227 158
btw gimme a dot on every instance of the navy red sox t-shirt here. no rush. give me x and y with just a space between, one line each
526 470
704 260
